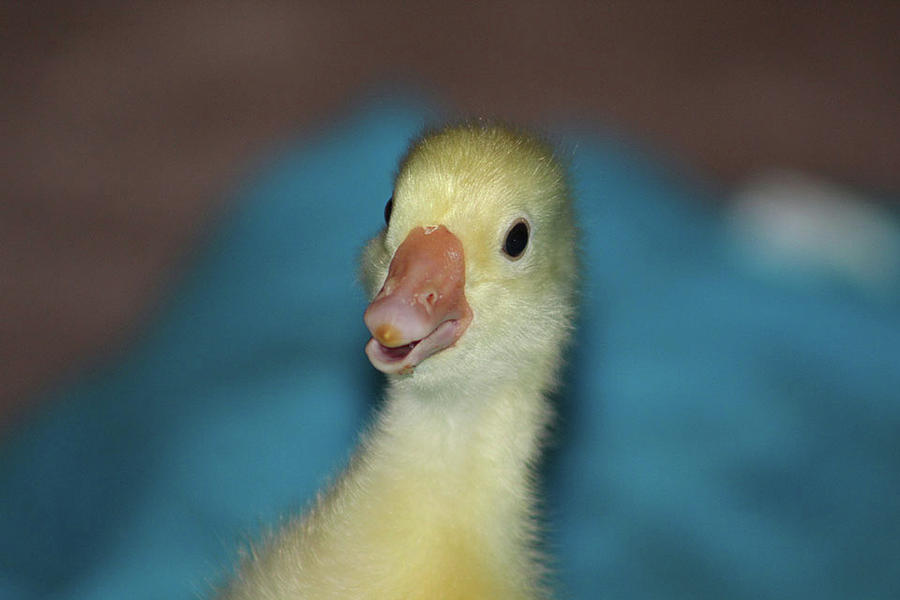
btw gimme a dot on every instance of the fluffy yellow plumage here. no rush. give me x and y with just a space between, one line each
438 501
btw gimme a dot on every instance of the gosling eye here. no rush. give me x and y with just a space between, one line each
388 209
516 239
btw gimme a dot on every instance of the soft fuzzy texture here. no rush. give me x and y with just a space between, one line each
438 501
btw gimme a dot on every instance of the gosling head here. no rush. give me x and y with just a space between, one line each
472 279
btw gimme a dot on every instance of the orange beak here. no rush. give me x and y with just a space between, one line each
422 307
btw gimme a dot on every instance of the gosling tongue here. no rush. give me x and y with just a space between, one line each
422 308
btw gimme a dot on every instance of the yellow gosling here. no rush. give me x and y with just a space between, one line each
472 284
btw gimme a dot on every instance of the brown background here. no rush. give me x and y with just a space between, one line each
122 128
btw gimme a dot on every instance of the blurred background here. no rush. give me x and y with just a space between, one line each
125 126
130 134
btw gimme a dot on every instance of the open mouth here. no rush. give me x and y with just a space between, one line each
398 353
403 359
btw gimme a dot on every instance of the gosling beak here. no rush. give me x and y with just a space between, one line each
422 308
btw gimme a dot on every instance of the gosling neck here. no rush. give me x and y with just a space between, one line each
498 427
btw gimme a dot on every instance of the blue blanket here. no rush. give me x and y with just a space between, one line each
722 434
